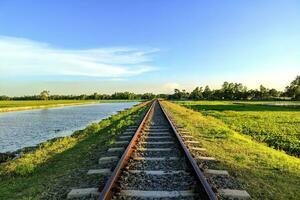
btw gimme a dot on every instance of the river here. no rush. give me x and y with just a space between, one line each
28 128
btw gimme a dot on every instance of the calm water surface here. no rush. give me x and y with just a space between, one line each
27 128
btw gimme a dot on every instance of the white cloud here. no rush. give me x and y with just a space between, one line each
169 87
26 58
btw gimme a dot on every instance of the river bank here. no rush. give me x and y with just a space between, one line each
52 169
10 106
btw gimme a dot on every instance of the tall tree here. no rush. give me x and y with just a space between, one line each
293 90
264 92
274 93
196 94
179 94
44 95
207 93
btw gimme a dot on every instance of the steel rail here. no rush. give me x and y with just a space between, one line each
206 190
107 191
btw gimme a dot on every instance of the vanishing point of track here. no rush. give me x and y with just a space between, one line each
156 164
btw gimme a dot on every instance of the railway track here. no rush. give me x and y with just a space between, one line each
156 164
153 162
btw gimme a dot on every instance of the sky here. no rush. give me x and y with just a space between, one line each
75 46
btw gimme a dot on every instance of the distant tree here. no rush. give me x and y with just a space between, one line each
4 98
293 90
232 91
297 93
264 92
106 96
236 91
83 97
207 93
227 90
178 95
44 95
163 96
239 91
196 94
251 94
148 96
96 96
123 95
217 95
274 93
184 94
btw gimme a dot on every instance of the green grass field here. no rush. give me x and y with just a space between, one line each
274 123
264 172
6 106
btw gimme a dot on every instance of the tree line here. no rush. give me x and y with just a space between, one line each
237 91
228 91
45 95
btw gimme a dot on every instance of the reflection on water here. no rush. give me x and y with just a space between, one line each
27 128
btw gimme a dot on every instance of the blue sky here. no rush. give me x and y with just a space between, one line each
76 46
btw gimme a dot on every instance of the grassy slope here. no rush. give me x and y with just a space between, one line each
6 106
275 125
51 168
265 173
